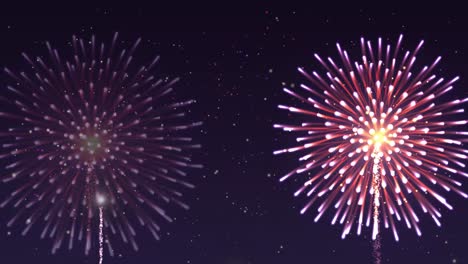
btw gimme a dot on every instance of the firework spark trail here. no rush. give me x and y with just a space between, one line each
93 119
101 235
376 184
380 101
376 247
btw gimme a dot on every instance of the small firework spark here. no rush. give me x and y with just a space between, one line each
378 144
92 136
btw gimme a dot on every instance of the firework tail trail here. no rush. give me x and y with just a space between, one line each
376 180
101 236
376 183
377 254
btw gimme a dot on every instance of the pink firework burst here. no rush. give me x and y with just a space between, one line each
93 131
380 143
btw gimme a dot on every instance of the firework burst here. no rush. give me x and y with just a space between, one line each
378 143
89 136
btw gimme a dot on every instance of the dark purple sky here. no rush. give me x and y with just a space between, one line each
235 60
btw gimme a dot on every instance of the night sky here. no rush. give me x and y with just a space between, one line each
235 61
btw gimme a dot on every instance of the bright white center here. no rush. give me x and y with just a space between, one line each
100 199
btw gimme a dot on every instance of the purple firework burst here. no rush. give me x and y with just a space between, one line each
93 125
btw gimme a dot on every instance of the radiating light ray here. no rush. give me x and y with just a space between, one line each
93 120
378 105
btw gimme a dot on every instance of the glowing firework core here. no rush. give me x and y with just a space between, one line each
88 144
92 143
378 138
